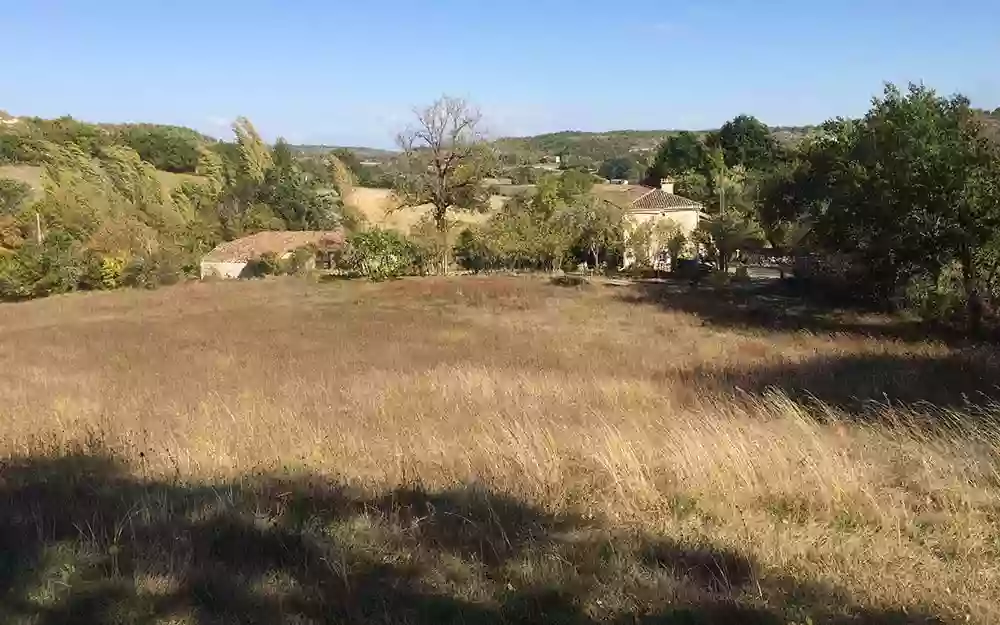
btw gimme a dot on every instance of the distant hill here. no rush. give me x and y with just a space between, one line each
363 153
595 147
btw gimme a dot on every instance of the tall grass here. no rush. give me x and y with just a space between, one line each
604 450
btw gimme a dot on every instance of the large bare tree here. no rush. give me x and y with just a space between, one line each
445 157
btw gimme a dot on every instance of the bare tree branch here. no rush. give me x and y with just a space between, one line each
445 158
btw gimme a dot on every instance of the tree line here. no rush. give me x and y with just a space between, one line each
898 208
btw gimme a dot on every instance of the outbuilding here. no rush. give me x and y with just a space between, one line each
231 259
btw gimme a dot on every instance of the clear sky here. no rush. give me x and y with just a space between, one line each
351 71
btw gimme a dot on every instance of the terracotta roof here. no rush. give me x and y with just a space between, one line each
276 242
641 199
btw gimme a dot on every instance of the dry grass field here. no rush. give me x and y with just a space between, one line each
489 450
377 206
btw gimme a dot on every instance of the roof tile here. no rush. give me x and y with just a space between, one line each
275 242
640 198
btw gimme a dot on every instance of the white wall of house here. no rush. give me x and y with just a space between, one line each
212 269
687 220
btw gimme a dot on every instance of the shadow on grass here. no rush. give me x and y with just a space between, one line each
84 541
765 304
570 280
966 381
966 378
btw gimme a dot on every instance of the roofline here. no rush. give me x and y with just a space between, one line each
643 195
672 209
692 205
698 206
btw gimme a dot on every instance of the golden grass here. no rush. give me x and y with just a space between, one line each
28 174
503 449
379 208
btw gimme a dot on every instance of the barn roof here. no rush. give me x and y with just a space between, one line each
274 242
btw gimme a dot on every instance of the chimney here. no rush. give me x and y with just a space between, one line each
667 185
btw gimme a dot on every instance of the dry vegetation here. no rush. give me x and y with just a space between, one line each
378 207
374 204
32 175
486 450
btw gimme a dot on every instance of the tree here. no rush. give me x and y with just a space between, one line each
905 192
670 238
683 152
532 232
746 141
445 158
282 156
723 235
169 148
256 157
780 208
694 185
295 201
639 243
379 254
620 168
574 184
599 225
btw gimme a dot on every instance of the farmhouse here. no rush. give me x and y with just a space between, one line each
645 204
230 259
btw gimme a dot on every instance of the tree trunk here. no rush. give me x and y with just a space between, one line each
441 222
593 251
973 303
444 252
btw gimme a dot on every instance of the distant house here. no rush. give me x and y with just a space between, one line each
644 204
230 259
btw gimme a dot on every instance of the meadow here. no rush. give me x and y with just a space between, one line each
490 450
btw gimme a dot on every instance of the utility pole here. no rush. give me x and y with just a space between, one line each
38 227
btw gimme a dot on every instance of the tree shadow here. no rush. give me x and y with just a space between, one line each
83 540
777 305
862 385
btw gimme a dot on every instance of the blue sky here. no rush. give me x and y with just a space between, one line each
350 72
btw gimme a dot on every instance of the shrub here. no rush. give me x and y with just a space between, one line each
302 260
160 268
267 264
473 252
524 175
379 254
942 299
16 149
102 272
38 269
14 194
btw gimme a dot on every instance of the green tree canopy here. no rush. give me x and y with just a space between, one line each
906 190
680 153
746 141
169 148
620 168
